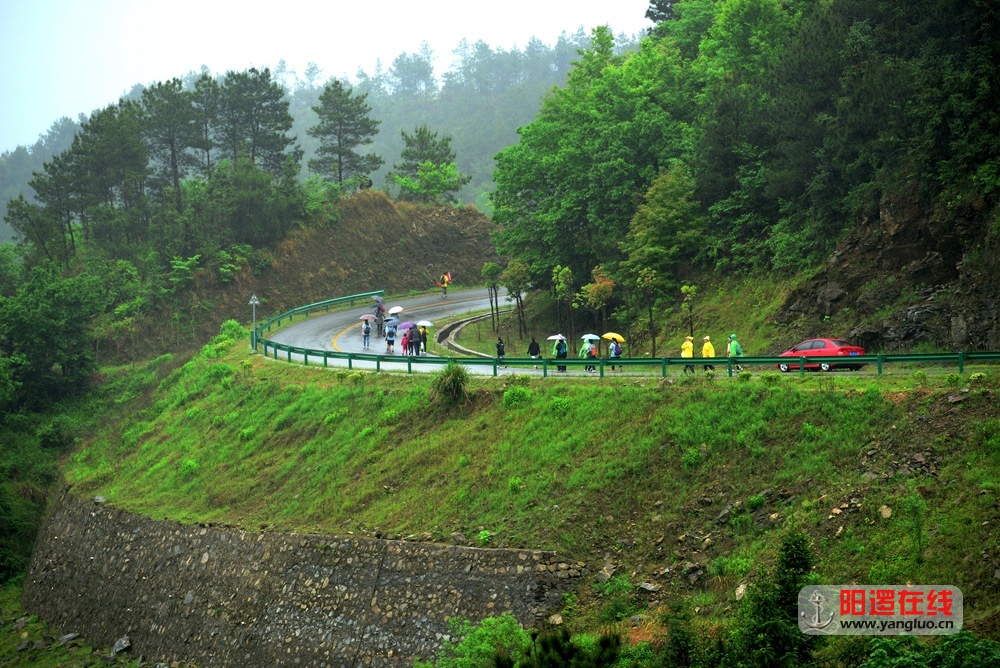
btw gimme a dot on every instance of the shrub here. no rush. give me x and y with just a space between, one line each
518 380
189 468
770 378
977 379
919 378
560 405
690 460
954 380
514 485
516 396
755 503
484 537
478 646
451 385
744 376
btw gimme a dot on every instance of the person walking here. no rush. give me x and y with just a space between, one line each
500 351
405 343
390 339
366 333
423 339
708 351
533 350
615 350
687 352
734 349
586 353
560 350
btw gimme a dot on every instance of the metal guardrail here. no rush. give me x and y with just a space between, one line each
601 365
275 321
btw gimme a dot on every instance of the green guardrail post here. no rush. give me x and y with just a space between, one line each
350 361
601 365
289 350
961 362
879 364
378 364
663 367
729 366
305 357
409 364
802 365
545 368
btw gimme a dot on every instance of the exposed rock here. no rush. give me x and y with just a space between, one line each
555 619
886 512
741 591
648 586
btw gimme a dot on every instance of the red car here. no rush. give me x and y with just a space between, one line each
823 348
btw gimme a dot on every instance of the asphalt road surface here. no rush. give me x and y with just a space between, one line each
340 331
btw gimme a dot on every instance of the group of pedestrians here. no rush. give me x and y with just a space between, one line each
733 349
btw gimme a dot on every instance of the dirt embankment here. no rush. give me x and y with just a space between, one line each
375 244
913 275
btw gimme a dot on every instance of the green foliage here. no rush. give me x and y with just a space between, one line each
691 459
451 384
962 650
344 124
514 397
954 380
560 649
477 646
484 537
514 484
915 517
767 632
919 378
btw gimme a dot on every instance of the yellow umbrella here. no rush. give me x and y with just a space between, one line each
611 336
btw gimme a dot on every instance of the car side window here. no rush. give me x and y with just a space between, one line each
816 345
805 345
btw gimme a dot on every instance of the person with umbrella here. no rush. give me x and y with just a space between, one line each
390 337
615 352
366 329
423 338
559 349
588 351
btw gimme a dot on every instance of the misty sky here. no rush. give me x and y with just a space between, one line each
63 57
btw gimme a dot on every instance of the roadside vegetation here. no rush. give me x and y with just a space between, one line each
691 487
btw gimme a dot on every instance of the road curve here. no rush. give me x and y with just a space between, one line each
340 331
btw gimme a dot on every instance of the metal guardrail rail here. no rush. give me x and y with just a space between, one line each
657 366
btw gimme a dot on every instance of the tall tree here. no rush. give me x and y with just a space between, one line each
254 120
344 125
171 129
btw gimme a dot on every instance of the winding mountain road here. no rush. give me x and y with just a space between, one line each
340 331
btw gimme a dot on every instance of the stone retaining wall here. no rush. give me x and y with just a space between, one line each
224 597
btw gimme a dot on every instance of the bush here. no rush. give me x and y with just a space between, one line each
919 378
744 376
962 650
770 378
478 646
450 386
690 460
516 396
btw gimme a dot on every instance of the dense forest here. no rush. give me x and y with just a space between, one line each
739 136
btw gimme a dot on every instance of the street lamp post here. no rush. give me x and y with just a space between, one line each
253 334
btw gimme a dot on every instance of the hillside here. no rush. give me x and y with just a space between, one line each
374 244
683 488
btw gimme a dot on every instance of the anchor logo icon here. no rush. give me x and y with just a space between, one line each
817 599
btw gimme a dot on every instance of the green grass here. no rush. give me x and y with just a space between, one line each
581 468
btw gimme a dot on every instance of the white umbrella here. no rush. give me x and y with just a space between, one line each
395 309
557 337
424 323
590 337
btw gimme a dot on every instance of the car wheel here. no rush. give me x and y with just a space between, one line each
826 366
783 368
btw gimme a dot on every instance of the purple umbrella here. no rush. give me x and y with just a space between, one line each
406 325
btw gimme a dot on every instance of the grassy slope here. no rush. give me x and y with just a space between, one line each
614 471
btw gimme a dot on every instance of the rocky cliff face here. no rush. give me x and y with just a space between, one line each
915 275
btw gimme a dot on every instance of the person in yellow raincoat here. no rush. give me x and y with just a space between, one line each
708 350
687 350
